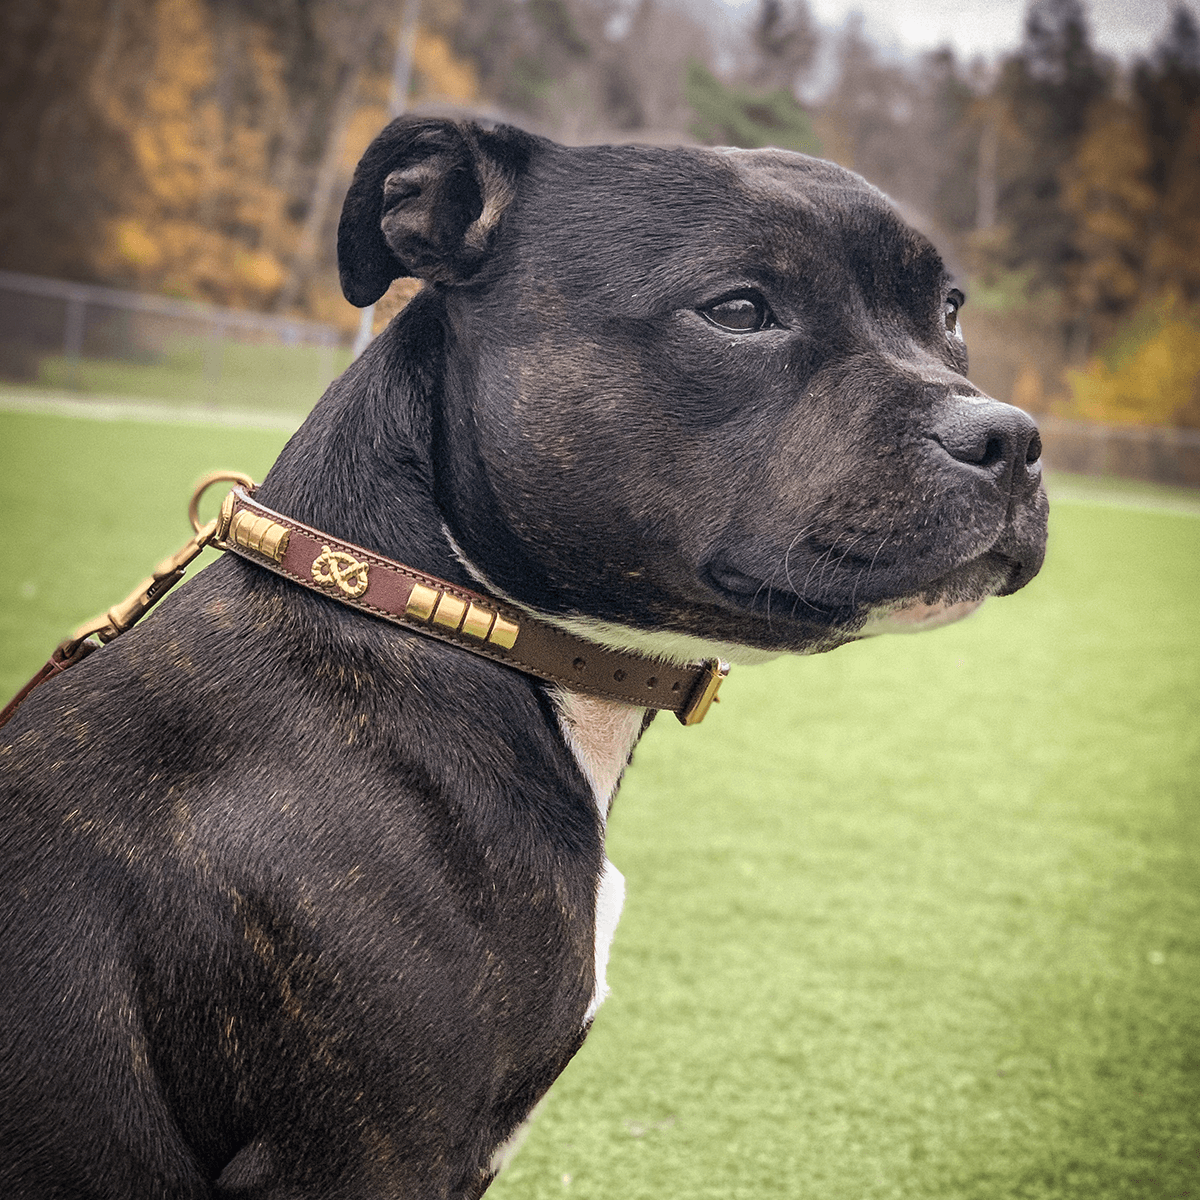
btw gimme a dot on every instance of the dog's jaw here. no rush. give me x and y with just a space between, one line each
916 616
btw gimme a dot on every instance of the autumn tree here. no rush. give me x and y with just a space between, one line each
1166 91
1106 194
197 147
62 159
1049 90
1133 189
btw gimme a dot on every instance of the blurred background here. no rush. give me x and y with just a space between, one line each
173 172
917 920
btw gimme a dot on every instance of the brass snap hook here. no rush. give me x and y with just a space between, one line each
206 482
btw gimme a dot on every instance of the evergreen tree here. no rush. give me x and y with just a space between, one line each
730 115
949 125
1166 89
1048 88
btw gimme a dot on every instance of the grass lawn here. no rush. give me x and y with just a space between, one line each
917 919
216 374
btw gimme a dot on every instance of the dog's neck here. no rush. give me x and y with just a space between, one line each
377 490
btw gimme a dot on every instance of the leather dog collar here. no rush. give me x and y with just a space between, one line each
478 623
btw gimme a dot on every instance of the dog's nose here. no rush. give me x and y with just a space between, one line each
998 438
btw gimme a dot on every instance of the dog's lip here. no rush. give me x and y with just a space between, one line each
729 579
916 615
922 606
748 591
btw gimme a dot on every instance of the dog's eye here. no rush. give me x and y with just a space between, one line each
744 313
954 301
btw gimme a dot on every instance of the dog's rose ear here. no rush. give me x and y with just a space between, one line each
426 199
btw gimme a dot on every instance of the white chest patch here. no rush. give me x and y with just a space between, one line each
601 734
610 899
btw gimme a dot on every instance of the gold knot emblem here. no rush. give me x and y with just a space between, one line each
345 573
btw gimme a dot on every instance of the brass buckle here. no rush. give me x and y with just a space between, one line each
129 611
704 694
204 484
165 575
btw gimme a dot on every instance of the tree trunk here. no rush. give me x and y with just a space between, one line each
327 175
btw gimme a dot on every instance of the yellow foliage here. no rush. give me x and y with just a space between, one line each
441 74
1154 379
367 121
256 270
1028 391
1106 189
133 244
199 215
215 157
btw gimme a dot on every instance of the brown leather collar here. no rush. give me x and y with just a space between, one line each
485 626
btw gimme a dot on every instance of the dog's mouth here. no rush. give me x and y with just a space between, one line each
857 606
917 615
757 595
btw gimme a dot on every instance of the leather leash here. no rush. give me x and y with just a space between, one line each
370 583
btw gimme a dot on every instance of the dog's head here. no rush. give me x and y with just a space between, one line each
696 396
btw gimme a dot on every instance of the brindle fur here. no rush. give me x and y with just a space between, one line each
297 904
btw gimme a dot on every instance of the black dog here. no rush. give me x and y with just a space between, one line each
298 904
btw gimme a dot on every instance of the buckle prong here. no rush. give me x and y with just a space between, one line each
704 695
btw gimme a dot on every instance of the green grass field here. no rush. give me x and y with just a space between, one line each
197 371
917 919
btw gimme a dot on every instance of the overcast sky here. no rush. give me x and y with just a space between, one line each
987 27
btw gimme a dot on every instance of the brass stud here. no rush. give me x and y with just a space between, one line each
449 612
422 601
504 633
259 533
477 622
274 541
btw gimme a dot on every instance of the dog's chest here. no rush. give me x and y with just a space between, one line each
601 734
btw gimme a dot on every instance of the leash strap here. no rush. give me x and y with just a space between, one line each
405 596
56 664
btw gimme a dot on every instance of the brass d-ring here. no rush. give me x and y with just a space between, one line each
207 482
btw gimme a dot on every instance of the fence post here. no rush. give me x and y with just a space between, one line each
73 337
214 360
325 363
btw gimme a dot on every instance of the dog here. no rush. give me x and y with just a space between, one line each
297 903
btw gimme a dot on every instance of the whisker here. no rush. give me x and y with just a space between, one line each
787 570
887 537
